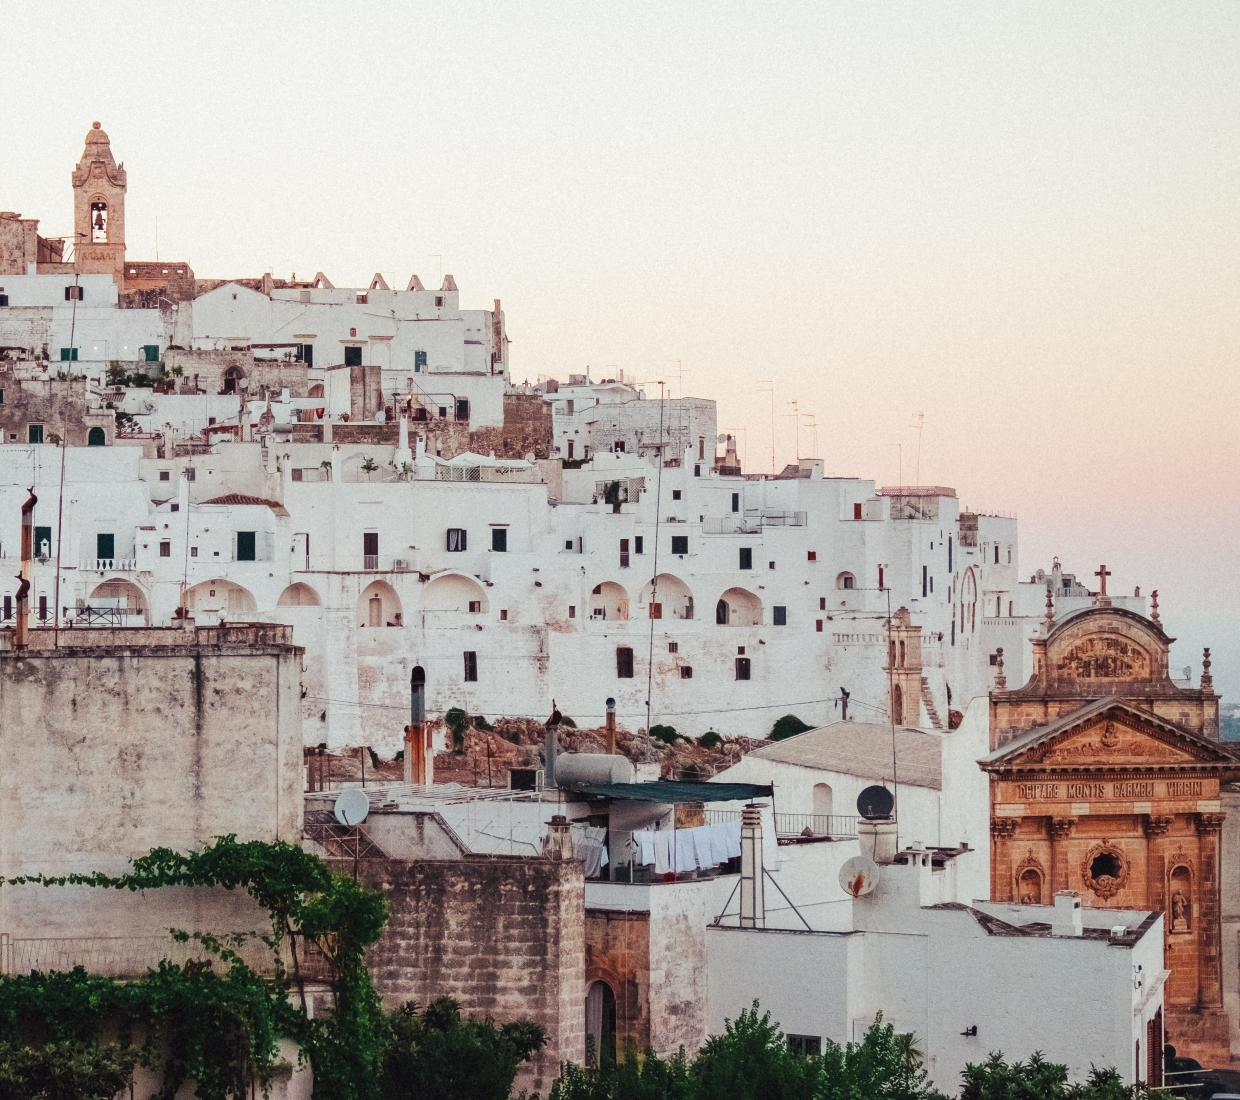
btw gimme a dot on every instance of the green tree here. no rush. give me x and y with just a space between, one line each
647 1077
65 1071
437 1055
788 726
751 1061
884 1064
1039 1079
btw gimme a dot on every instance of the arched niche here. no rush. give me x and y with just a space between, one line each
299 595
738 607
824 800
96 437
968 601
1180 899
455 592
672 596
220 597
316 390
379 606
600 1022
609 601
125 596
897 705
846 580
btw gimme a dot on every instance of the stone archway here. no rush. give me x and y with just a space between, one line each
379 606
738 607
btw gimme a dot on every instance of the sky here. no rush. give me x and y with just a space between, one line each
991 246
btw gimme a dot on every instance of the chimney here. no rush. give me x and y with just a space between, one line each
1066 920
558 844
550 750
611 725
753 902
419 762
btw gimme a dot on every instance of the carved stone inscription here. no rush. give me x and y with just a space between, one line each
1126 790
1104 657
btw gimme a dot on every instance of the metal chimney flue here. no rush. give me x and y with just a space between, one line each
753 898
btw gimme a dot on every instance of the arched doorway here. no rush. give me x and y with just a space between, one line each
600 1023
379 606
233 377
737 607
220 599
968 602
96 437
609 601
122 600
298 595
671 600
824 800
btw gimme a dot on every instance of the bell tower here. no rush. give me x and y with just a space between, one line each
99 210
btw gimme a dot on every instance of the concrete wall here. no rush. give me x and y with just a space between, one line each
503 936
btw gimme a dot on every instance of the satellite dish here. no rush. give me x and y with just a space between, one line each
352 806
723 438
875 802
858 876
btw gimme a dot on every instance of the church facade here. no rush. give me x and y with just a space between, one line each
1105 779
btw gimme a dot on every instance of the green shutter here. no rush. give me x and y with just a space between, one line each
105 546
245 545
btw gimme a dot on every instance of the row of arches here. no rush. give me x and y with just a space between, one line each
668 597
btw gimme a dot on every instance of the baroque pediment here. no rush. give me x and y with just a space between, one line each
1110 742
1111 735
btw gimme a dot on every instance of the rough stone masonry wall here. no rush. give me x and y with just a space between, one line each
527 427
503 936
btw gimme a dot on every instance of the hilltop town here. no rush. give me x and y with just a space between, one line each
599 712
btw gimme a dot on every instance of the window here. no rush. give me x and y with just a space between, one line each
362 298
805 1045
193 551
105 546
246 541
305 352
680 544
456 540
352 357
618 446
813 555
499 539
742 668
697 471
151 352
746 561
736 502
443 412
570 450
173 507
624 553
822 603
503 615
42 609
370 549
673 647
624 662
462 408
68 355
925 584
74 293
8 607
857 510
96 437
165 550
35 433
780 615
572 611
299 475
438 301
675 494
656 611
471 666
996 553
165 475
98 222
949 553
568 544
4 298
190 473
1009 561
686 672
818 625
770 565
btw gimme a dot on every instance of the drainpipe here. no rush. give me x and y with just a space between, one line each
753 901
416 756
23 591
611 726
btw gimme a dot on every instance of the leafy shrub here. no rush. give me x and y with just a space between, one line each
77 1070
666 734
458 722
437 1055
788 726
565 720
710 740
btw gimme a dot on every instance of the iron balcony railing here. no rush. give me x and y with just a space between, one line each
788 825
370 561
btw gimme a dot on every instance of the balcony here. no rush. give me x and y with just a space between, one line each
370 562
108 565
788 826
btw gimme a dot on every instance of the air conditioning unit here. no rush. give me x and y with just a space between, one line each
400 565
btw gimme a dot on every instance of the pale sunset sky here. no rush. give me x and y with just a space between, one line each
1020 220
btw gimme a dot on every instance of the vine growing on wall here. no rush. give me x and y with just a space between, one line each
220 1028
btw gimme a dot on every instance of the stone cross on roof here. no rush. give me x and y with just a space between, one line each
1102 574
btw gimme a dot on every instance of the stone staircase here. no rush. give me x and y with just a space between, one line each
927 701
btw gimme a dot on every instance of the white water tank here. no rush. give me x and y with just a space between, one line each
592 767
